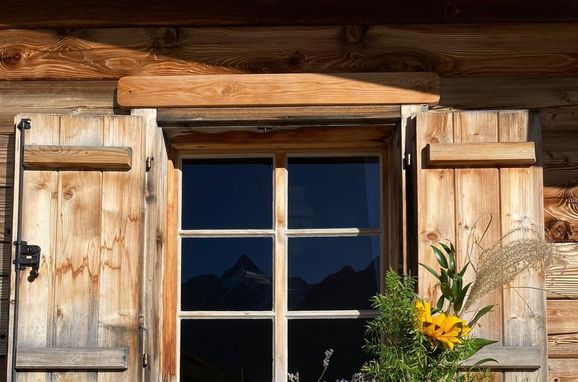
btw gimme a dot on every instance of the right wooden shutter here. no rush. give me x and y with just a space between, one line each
451 199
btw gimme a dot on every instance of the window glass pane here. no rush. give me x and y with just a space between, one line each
333 272
309 339
334 192
226 350
226 274
227 193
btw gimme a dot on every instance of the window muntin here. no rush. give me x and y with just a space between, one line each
371 233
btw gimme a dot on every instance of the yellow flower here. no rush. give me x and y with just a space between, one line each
446 329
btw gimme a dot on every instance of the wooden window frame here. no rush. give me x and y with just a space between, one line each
378 140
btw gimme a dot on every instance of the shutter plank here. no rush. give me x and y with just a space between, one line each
78 252
522 205
435 197
478 207
122 247
77 157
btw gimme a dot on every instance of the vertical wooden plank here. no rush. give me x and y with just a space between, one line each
399 179
435 196
153 265
78 250
280 352
478 208
121 254
522 206
169 320
38 227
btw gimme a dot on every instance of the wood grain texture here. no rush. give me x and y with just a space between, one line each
278 89
524 308
448 50
562 329
70 14
477 204
436 199
481 154
72 359
562 370
561 214
560 155
122 220
507 357
57 157
562 281
40 213
305 137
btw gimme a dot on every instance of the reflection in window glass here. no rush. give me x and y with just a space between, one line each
227 193
334 192
226 274
333 272
226 350
309 339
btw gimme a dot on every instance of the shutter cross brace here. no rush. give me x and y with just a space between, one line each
26 255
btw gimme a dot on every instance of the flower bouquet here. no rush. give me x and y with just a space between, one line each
415 342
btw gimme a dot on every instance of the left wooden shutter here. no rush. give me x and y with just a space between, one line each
82 312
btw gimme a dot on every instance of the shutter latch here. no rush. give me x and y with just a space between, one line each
27 256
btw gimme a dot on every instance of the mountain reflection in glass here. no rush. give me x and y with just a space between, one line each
340 192
226 274
309 339
226 350
331 273
231 193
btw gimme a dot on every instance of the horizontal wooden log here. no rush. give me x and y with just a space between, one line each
72 359
67 14
278 90
560 154
277 116
562 326
303 138
563 370
38 157
562 281
508 357
481 154
500 92
448 50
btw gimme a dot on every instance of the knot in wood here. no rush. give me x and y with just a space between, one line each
355 34
11 57
559 231
432 236
68 194
295 58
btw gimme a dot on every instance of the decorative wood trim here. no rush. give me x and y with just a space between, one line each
481 154
508 357
72 359
42 157
278 89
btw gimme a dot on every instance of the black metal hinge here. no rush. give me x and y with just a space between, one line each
27 256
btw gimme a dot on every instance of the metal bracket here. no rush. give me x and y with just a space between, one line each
27 256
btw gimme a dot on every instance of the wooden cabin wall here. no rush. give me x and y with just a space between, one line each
481 67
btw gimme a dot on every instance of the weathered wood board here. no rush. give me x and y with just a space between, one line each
89 225
448 50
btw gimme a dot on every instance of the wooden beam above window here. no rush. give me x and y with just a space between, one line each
278 90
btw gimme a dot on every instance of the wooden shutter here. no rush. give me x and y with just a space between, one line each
82 312
451 198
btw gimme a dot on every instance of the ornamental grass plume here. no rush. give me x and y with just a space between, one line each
508 258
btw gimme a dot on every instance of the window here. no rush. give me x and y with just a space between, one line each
279 253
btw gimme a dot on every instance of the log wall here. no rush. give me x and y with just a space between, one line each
482 67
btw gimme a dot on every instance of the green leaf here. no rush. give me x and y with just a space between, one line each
481 362
460 299
464 269
440 257
430 270
480 314
451 256
479 343
440 303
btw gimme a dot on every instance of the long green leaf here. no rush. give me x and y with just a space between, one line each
440 257
451 256
430 270
480 314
